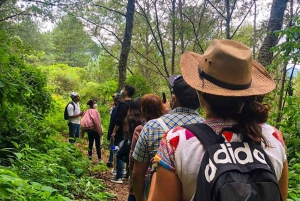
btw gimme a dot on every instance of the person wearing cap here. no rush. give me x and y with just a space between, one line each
74 117
183 104
227 81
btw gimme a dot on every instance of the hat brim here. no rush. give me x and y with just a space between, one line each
262 82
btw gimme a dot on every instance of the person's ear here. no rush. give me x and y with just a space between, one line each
174 99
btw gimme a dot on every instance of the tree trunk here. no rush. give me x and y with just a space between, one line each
281 98
265 57
228 18
181 27
254 31
173 37
126 43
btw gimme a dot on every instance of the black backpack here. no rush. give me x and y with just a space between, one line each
66 115
124 150
239 171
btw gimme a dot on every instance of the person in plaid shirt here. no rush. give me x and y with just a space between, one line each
184 104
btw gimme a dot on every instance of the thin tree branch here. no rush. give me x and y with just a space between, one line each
145 57
196 34
112 10
97 26
12 16
148 22
108 52
160 39
216 9
2 2
241 22
232 8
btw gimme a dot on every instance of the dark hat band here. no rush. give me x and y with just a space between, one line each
222 84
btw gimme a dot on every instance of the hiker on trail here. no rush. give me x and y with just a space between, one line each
133 119
113 105
227 81
74 115
151 108
113 117
117 133
92 121
184 104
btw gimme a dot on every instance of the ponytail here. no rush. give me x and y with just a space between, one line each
246 111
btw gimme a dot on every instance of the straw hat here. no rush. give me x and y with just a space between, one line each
226 69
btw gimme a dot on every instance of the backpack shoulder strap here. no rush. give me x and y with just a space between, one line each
205 134
72 104
163 124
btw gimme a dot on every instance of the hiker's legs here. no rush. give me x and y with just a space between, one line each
119 169
91 143
72 130
98 146
77 130
111 155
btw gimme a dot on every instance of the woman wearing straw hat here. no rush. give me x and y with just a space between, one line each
227 81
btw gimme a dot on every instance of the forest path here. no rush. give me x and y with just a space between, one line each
120 190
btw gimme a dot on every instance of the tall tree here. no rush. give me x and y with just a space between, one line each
126 43
73 45
265 56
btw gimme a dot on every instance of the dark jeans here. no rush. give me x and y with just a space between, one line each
111 155
94 136
119 168
131 198
73 132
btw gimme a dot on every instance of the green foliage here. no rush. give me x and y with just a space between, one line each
102 69
12 187
140 84
291 131
64 79
54 171
290 48
73 45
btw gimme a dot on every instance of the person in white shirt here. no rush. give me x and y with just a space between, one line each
74 117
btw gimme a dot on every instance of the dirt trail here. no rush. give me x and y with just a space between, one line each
120 190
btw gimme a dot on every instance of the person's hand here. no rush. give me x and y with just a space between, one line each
100 134
82 113
167 105
113 135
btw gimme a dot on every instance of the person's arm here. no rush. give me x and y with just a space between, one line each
71 114
135 137
97 121
121 114
114 132
141 158
283 182
167 186
138 179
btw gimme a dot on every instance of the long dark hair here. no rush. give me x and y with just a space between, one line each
247 111
133 118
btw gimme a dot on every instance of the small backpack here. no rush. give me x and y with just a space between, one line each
239 171
66 114
124 150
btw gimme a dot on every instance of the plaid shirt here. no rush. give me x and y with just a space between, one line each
152 133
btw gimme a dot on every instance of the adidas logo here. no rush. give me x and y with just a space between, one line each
240 155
